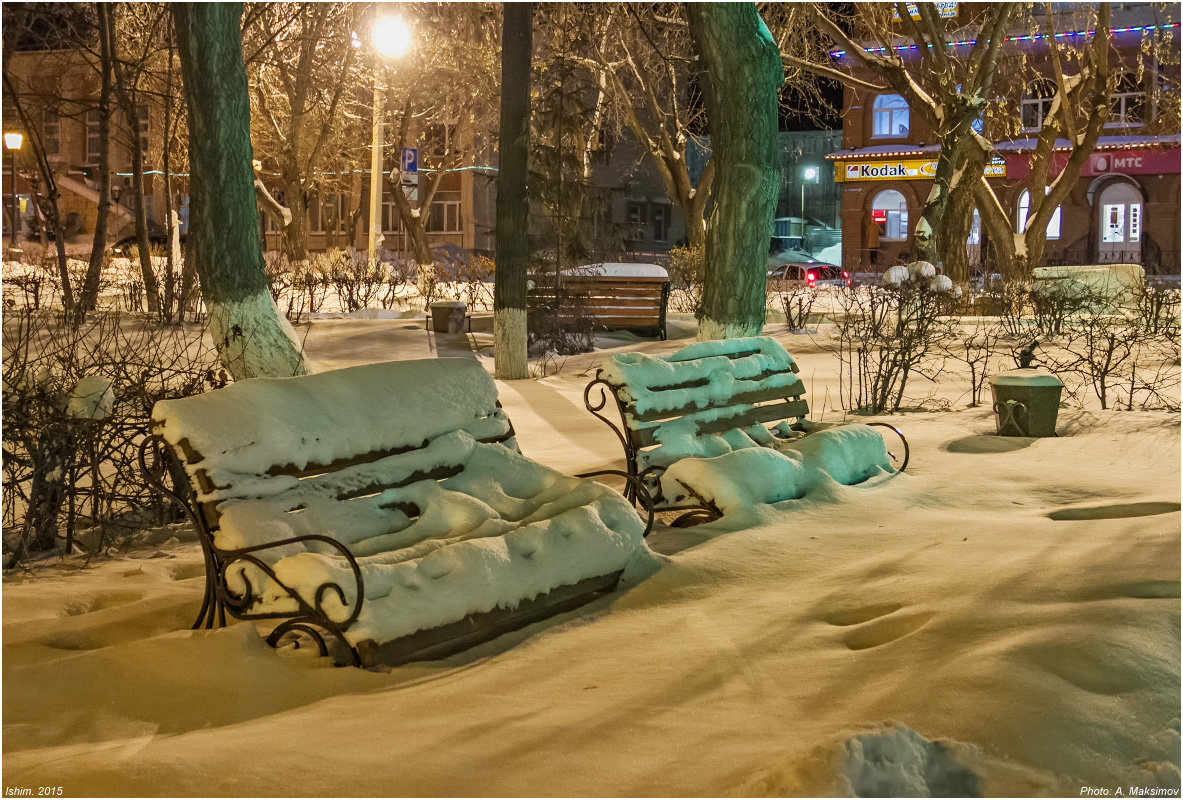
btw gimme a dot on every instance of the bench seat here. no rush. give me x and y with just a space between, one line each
400 482
715 398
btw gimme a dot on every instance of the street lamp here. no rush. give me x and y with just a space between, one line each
808 175
391 38
12 143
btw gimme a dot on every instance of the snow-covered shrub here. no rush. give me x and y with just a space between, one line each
76 403
797 302
687 267
886 334
357 281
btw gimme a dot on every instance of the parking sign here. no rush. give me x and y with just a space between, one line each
410 159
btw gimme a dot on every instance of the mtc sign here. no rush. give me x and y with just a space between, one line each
899 170
1133 162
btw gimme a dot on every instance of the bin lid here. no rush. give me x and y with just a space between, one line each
1025 377
449 304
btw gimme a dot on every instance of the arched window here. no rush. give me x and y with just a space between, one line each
889 116
889 210
1036 103
1053 225
1129 101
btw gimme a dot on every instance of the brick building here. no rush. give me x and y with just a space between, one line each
1124 207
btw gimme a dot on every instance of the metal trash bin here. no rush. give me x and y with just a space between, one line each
448 316
1026 402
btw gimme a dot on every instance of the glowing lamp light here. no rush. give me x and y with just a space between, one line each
13 141
391 37
810 173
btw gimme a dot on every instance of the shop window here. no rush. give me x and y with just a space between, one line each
1053 225
325 213
1036 104
1129 101
889 116
889 211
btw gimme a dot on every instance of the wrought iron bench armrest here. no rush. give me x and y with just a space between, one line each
638 488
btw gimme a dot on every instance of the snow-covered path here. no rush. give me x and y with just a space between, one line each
1016 599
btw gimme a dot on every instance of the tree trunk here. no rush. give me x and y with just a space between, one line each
88 298
151 289
742 74
509 289
251 336
295 229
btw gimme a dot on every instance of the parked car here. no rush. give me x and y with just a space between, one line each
804 271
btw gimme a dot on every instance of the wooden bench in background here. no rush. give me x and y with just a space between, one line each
705 400
611 296
382 511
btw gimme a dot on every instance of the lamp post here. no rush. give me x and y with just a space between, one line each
808 175
391 38
12 143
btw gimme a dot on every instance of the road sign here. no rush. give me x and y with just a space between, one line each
410 160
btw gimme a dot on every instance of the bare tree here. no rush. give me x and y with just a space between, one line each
245 325
509 300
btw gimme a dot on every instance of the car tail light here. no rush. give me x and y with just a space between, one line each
811 278
845 274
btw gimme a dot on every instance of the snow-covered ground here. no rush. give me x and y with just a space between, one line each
1003 619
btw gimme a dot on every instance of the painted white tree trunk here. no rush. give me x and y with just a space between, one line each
254 340
509 344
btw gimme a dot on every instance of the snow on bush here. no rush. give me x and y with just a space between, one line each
92 397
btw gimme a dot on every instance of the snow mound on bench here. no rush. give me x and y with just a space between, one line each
503 531
316 419
846 454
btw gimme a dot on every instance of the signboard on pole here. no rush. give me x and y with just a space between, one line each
409 175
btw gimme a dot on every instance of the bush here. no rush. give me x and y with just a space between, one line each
687 268
77 402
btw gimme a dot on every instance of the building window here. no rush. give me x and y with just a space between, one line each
1053 225
889 116
445 213
51 132
889 210
605 144
661 222
391 221
142 125
1129 101
93 121
1035 105
325 213
635 216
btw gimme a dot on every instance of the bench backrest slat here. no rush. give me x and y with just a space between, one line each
704 389
253 438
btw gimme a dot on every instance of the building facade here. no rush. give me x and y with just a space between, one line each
1123 208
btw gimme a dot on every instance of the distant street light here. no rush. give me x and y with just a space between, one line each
391 38
808 175
13 142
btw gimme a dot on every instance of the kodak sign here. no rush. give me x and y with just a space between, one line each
899 170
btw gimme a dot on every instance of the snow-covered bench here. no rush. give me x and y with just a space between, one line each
684 415
611 297
383 510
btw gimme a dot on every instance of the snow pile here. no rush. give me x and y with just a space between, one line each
744 478
899 762
619 270
496 530
92 397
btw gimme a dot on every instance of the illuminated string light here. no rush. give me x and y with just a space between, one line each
1024 38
